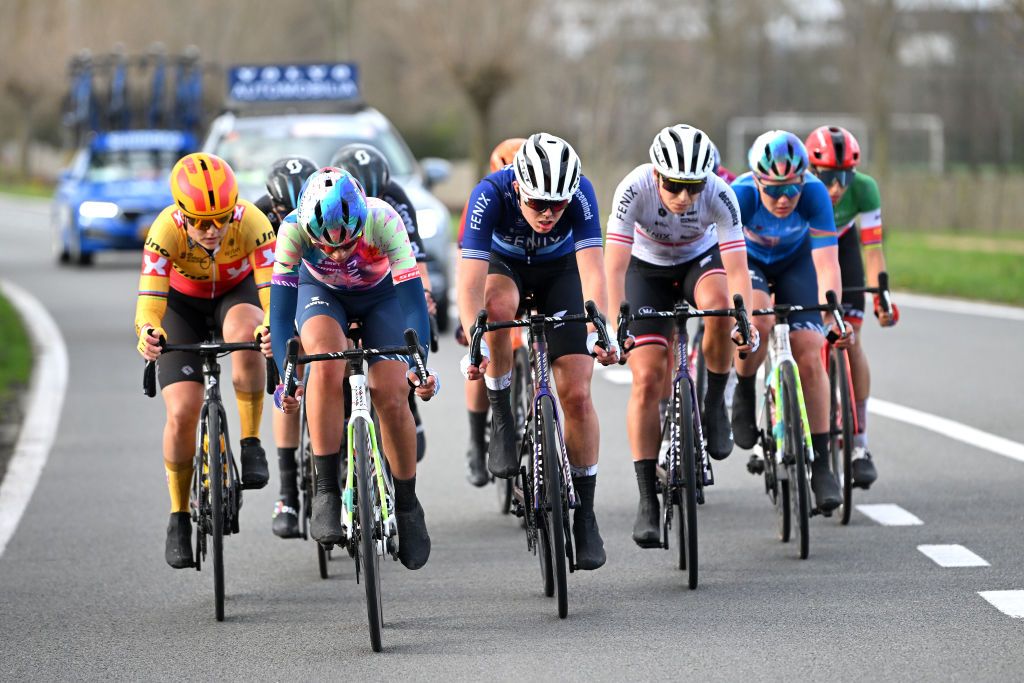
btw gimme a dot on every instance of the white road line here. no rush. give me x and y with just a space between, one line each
1010 603
952 556
948 428
934 303
888 514
43 409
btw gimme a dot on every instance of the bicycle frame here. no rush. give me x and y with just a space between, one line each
780 353
683 375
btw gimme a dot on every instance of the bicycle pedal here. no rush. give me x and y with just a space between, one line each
700 496
861 486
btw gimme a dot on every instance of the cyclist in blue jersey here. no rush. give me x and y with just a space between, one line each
792 252
534 227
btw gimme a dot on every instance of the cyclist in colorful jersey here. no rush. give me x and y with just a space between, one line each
342 257
534 228
834 155
477 404
720 170
791 249
284 182
206 269
674 232
372 171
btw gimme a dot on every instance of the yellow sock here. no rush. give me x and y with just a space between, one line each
250 410
179 484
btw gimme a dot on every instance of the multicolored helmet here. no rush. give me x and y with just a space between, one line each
286 178
332 207
833 147
366 164
778 155
505 151
203 186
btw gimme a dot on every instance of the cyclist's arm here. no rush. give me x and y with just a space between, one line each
483 213
870 224
586 233
284 290
261 258
154 280
388 233
619 242
731 244
817 209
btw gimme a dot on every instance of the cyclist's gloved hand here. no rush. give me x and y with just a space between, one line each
262 335
149 342
429 389
285 403
472 371
843 338
608 356
753 344
886 319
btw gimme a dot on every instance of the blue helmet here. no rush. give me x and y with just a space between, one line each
778 155
332 207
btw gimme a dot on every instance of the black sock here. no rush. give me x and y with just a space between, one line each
327 473
405 494
585 488
746 385
477 427
716 387
287 468
645 477
820 444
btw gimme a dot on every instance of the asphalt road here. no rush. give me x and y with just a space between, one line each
85 592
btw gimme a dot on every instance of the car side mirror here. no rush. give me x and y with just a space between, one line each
435 170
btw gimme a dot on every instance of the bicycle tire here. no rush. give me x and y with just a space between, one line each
215 468
796 462
366 493
841 423
521 396
777 487
553 491
688 478
700 378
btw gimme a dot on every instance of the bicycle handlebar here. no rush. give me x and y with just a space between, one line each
882 290
683 312
205 349
831 306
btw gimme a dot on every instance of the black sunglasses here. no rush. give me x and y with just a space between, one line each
692 187
542 205
843 177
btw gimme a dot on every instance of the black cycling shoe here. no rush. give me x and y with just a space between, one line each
178 549
476 466
589 545
718 431
864 472
502 459
325 524
413 539
255 472
744 425
647 527
286 519
826 489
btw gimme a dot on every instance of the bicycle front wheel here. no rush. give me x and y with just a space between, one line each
841 424
685 416
795 459
216 477
555 518
368 504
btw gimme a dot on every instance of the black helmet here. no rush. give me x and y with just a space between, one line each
286 178
366 164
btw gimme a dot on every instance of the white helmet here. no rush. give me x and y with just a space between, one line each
547 167
683 152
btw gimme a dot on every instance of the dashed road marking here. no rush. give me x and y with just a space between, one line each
1010 603
888 514
952 556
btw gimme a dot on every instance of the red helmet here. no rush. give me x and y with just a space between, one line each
833 147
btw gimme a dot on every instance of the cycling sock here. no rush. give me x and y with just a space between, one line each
287 468
477 427
820 443
179 484
585 488
860 439
498 383
585 471
405 494
716 388
645 477
327 472
745 385
250 410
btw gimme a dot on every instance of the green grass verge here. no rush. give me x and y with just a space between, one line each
18 189
15 352
957 265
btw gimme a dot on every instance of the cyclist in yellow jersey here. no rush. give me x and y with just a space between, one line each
206 269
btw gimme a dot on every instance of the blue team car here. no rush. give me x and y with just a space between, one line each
116 186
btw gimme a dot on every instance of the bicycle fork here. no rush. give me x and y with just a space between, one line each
361 411
780 352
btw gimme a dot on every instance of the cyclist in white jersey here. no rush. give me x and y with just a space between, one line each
674 232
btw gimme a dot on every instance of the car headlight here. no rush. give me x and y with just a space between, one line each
98 210
428 222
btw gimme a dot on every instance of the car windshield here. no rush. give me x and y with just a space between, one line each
105 167
252 151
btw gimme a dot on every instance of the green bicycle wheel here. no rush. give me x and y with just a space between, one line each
795 459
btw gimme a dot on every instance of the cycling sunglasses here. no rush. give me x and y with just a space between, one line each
692 187
827 176
207 224
542 205
789 190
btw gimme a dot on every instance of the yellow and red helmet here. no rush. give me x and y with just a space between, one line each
203 186
503 153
